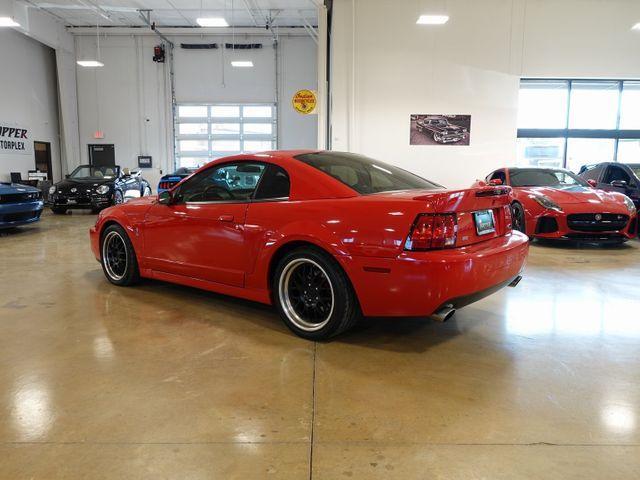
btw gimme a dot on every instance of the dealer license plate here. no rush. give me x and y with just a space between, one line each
485 223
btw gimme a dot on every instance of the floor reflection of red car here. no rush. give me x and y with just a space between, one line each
556 204
324 236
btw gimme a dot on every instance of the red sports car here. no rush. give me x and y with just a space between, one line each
325 236
554 203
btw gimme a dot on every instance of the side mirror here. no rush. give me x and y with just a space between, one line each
165 198
67 176
619 183
592 182
495 181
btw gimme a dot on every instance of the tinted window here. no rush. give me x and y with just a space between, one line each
543 177
616 173
498 175
635 168
274 184
591 172
228 182
363 174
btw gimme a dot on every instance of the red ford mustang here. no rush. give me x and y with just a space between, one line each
325 236
556 204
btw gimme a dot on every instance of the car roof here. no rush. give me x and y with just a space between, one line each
308 182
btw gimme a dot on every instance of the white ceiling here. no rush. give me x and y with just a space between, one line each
180 13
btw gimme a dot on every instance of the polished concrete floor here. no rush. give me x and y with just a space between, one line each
159 381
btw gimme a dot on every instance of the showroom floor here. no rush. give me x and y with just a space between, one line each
160 381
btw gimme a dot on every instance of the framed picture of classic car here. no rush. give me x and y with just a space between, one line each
439 129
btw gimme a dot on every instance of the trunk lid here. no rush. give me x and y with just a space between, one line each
465 203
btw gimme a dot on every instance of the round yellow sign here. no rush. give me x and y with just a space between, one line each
304 101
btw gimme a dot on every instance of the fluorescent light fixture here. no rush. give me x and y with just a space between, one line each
8 22
636 27
242 63
433 19
90 63
212 22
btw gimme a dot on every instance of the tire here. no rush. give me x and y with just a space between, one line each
59 210
518 219
328 308
117 257
118 198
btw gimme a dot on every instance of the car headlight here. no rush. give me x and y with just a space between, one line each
52 190
630 205
546 202
102 189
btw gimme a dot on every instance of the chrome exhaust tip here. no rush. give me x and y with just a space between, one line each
444 314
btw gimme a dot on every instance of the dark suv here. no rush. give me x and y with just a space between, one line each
615 177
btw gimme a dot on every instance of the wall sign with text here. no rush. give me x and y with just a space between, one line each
304 101
15 140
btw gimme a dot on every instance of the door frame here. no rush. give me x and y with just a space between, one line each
49 166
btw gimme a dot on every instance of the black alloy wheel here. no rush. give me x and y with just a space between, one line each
313 294
118 258
518 218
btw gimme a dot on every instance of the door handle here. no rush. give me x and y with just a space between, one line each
225 218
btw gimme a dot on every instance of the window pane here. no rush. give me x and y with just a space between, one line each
584 151
257 145
540 152
543 104
258 128
628 151
193 129
192 111
194 145
225 111
225 128
593 105
257 111
225 145
630 106
192 162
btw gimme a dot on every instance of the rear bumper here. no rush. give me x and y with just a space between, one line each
418 283
23 213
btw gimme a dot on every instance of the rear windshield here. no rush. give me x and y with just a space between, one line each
365 175
544 177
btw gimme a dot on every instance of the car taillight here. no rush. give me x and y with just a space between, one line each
430 231
507 219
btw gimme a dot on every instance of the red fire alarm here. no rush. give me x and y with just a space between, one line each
158 54
98 134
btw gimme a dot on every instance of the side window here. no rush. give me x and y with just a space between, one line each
499 175
274 184
592 172
225 183
616 173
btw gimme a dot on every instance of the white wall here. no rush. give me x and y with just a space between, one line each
128 99
29 98
385 67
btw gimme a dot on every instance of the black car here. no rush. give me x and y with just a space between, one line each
441 129
95 188
615 177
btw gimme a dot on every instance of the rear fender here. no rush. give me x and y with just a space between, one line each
266 247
